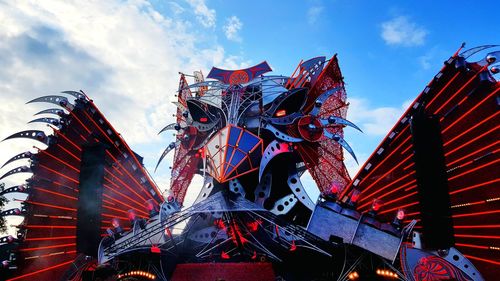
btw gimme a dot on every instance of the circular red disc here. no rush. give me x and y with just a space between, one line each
310 128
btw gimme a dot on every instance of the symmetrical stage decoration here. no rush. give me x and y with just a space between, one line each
423 206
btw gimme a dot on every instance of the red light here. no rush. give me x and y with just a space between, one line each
355 196
224 255
334 189
254 255
376 205
131 215
155 249
115 222
150 205
293 247
203 119
280 113
400 215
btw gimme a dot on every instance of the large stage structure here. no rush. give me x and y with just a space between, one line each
424 206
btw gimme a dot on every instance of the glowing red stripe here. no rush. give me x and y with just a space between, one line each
69 152
57 173
50 238
473 170
478 226
42 270
476 214
473 153
81 123
444 88
471 128
460 90
477 236
47 247
123 203
470 110
60 160
481 259
400 198
52 226
471 141
55 193
68 140
398 207
472 246
388 185
49 205
474 186
126 185
123 195
113 216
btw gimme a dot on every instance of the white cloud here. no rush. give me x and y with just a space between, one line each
125 56
313 13
232 28
374 121
204 15
400 31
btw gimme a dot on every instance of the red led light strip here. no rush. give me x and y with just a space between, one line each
42 270
47 247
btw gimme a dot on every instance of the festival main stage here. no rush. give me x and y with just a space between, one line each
424 206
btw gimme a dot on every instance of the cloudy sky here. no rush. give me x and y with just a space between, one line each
126 56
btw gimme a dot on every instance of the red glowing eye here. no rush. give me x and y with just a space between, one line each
280 113
401 214
203 119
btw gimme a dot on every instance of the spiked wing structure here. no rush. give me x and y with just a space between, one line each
464 97
48 234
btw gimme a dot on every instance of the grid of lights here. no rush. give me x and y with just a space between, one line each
138 273
353 275
386 273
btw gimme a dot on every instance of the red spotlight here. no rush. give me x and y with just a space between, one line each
353 199
155 249
224 255
400 214
131 215
280 113
376 205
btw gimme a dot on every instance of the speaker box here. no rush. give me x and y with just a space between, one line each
432 182
88 225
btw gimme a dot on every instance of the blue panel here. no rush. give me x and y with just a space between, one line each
229 153
247 142
234 134
238 155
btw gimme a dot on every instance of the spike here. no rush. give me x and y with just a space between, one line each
24 155
321 100
280 135
58 100
21 169
48 120
173 126
77 95
334 120
30 134
342 142
169 148
55 111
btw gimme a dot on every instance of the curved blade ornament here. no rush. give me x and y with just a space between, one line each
169 148
263 189
205 191
58 100
55 111
284 205
321 100
342 142
470 52
282 98
298 189
334 120
24 155
21 169
75 94
173 126
272 150
18 188
285 120
31 134
280 135
48 120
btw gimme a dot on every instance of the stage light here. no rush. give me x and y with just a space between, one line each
280 113
376 205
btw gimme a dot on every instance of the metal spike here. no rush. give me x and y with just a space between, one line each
334 120
18 188
77 95
24 155
58 100
48 120
321 100
21 169
55 111
30 134
170 127
341 141
169 148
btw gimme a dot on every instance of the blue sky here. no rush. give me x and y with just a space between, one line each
126 56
